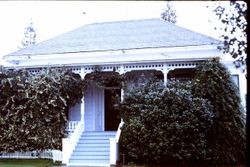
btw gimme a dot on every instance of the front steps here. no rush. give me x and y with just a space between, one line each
92 149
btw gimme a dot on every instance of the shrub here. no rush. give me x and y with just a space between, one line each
33 111
164 124
227 140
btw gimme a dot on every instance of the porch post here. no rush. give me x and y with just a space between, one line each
82 109
165 74
122 95
165 71
82 74
122 71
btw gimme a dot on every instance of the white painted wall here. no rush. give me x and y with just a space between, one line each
228 61
75 112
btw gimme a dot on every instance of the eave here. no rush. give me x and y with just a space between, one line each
126 56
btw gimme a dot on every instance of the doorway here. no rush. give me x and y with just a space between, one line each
112 116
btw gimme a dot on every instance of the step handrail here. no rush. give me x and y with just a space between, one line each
70 142
119 131
114 152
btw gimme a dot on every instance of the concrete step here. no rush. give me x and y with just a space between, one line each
89 162
92 149
89 145
89 149
91 153
105 133
91 157
97 140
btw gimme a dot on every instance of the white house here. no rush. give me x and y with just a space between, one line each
124 46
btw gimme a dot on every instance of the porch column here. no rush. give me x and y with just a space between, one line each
122 95
82 109
165 74
82 74
165 71
122 71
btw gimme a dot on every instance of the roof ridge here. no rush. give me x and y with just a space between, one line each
123 21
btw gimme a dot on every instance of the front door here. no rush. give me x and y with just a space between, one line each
112 118
94 109
100 111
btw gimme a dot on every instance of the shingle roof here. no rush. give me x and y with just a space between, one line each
147 33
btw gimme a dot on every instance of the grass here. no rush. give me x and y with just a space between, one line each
26 163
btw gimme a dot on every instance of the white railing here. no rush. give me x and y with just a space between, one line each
55 155
71 127
114 152
68 144
27 155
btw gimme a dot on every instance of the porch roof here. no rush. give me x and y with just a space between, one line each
120 35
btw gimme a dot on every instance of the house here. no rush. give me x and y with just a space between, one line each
138 46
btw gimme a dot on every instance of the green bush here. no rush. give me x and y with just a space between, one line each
165 124
227 140
33 111
195 122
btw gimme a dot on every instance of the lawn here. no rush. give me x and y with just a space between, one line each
26 163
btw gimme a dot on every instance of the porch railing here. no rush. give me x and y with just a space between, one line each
70 142
27 155
71 126
114 152
56 155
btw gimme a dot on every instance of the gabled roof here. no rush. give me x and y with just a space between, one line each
121 35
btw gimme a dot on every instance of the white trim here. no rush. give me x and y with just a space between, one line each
102 101
112 52
116 57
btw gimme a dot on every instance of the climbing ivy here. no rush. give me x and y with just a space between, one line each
105 79
227 140
33 110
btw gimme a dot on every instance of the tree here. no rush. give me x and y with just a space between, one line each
29 36
169 13
233 19
164 124
227 141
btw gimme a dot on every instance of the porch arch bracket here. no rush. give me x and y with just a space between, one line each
127 67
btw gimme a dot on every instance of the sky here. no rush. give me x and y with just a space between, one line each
52 18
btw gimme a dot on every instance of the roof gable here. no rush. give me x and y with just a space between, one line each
122 35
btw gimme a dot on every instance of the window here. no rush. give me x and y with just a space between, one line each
235 78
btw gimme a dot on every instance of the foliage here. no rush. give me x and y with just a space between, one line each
169 13
164 124
233 18
195 122
29 36
105 79
33 111
227 139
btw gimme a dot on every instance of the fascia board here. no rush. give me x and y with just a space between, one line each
120 57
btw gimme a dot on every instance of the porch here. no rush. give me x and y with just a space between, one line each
94 127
